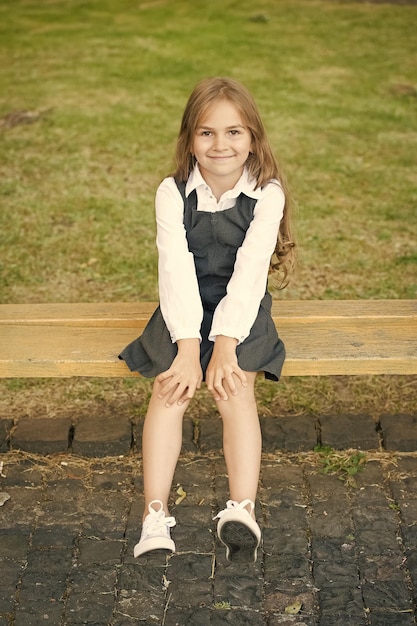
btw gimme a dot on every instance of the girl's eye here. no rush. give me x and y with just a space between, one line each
205 133
235 131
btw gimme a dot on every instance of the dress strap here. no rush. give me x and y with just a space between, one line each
181 187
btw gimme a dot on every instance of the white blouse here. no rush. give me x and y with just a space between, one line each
178 288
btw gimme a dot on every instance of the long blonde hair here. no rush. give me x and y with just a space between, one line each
261 164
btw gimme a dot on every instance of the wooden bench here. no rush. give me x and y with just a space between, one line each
322 337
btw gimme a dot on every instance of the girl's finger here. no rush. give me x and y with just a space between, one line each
221 391
174 396
164 376
241 376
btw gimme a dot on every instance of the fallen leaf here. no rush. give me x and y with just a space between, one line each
4 497
293 609
182 494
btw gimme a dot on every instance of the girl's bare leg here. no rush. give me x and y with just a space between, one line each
161 447
242 440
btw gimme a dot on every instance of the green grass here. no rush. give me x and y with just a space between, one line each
105 83
345 464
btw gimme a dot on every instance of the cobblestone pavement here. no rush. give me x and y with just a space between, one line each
335 552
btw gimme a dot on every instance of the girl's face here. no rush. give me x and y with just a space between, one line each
221 145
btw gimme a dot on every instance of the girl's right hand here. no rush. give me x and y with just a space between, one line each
178 384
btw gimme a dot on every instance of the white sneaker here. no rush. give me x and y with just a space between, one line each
155 533
239 532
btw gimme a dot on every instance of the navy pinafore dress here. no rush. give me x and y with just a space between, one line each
213 239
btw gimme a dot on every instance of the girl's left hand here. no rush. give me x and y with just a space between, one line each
223 369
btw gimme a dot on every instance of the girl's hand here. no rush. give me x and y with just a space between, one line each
179 383
223 369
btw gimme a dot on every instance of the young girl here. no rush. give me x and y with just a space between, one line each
220 217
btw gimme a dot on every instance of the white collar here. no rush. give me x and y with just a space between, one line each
245 184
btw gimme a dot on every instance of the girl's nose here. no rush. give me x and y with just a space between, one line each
219 142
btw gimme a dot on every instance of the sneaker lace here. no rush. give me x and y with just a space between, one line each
232 504
157 522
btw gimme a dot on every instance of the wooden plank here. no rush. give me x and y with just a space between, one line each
136 314
321 337
119 314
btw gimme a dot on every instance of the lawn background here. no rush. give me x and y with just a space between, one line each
91 95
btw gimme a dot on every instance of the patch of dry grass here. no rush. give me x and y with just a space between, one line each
326 395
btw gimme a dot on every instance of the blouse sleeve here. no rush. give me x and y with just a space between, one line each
237 311
178 288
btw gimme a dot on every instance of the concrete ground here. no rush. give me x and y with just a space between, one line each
337 549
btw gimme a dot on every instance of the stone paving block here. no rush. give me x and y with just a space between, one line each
188 617
406 465
391 594
323 486
92 580
189 568
112 507
37 613
289 433
43 596
329 519
409 534
289 620
286 515
281 477
339 601
41 435
137 431
86 608
142 606
359 430
10 575
390 619
193 515
371 476
339 549
239 586
198 594
190 434
404 487
196 539
40 562
381 543
295 566
412 564
5 428
134 521
102 551
210 434
381 568
142 574
333 572
61 513
399 432
277 599
378 519
13 545
195 478
236 618
102 435
22 508
20 474
55 537
110 480
276 543
408 510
